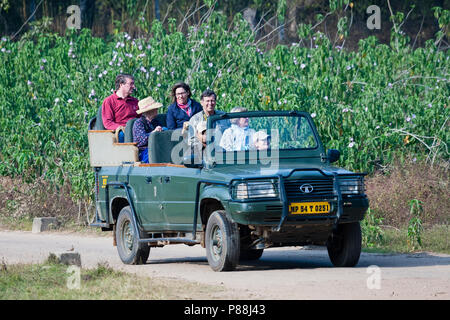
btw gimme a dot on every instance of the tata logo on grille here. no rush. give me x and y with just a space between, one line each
306 188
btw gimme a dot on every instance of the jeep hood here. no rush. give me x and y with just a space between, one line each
250 171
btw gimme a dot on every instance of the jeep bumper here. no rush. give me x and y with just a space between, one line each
269 213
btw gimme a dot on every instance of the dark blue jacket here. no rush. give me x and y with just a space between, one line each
176 116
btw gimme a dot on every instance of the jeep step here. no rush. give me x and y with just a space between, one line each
161 242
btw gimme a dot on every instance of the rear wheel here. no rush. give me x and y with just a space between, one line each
130 250
344 246
222 242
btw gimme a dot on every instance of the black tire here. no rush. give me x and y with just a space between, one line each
344 247
130 250
222 242
251 254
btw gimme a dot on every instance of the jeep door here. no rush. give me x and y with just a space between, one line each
178 196
146 183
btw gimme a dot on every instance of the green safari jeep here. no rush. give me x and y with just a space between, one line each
262 180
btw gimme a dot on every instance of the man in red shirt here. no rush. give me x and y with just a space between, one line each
120 107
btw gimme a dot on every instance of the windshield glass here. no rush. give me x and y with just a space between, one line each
247 132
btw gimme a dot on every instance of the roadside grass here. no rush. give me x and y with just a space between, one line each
24 223
434 239
51 281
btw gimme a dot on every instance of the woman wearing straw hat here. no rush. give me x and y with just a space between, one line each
145 125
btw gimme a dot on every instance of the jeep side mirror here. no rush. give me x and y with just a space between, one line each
333 155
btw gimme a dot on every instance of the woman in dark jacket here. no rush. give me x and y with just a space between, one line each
182 108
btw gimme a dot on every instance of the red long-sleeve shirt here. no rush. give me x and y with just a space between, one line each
117 111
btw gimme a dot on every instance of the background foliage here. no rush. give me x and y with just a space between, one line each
106 17
373 104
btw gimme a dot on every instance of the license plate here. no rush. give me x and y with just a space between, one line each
309 207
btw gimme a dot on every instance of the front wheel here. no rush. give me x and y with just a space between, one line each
222 242
251 254
344 246
130 250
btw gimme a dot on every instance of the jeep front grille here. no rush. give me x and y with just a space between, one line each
321 188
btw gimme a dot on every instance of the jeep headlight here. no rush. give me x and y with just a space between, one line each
255 190
351 186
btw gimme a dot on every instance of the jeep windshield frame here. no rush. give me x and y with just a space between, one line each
290 134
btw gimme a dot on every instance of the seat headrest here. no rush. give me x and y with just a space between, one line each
128 133
99 121
160 145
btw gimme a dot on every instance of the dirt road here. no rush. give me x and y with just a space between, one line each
282 273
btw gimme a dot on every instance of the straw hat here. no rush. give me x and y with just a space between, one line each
148 104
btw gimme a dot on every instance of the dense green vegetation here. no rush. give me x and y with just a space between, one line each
373 104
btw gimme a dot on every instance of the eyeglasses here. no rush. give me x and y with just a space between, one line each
180 94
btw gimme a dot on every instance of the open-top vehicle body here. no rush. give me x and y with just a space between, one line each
235 198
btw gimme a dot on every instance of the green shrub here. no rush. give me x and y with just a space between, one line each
372 104
415 224
371 230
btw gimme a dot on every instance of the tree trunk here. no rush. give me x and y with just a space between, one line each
291 18
31 7
87 8
157 12
249 14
